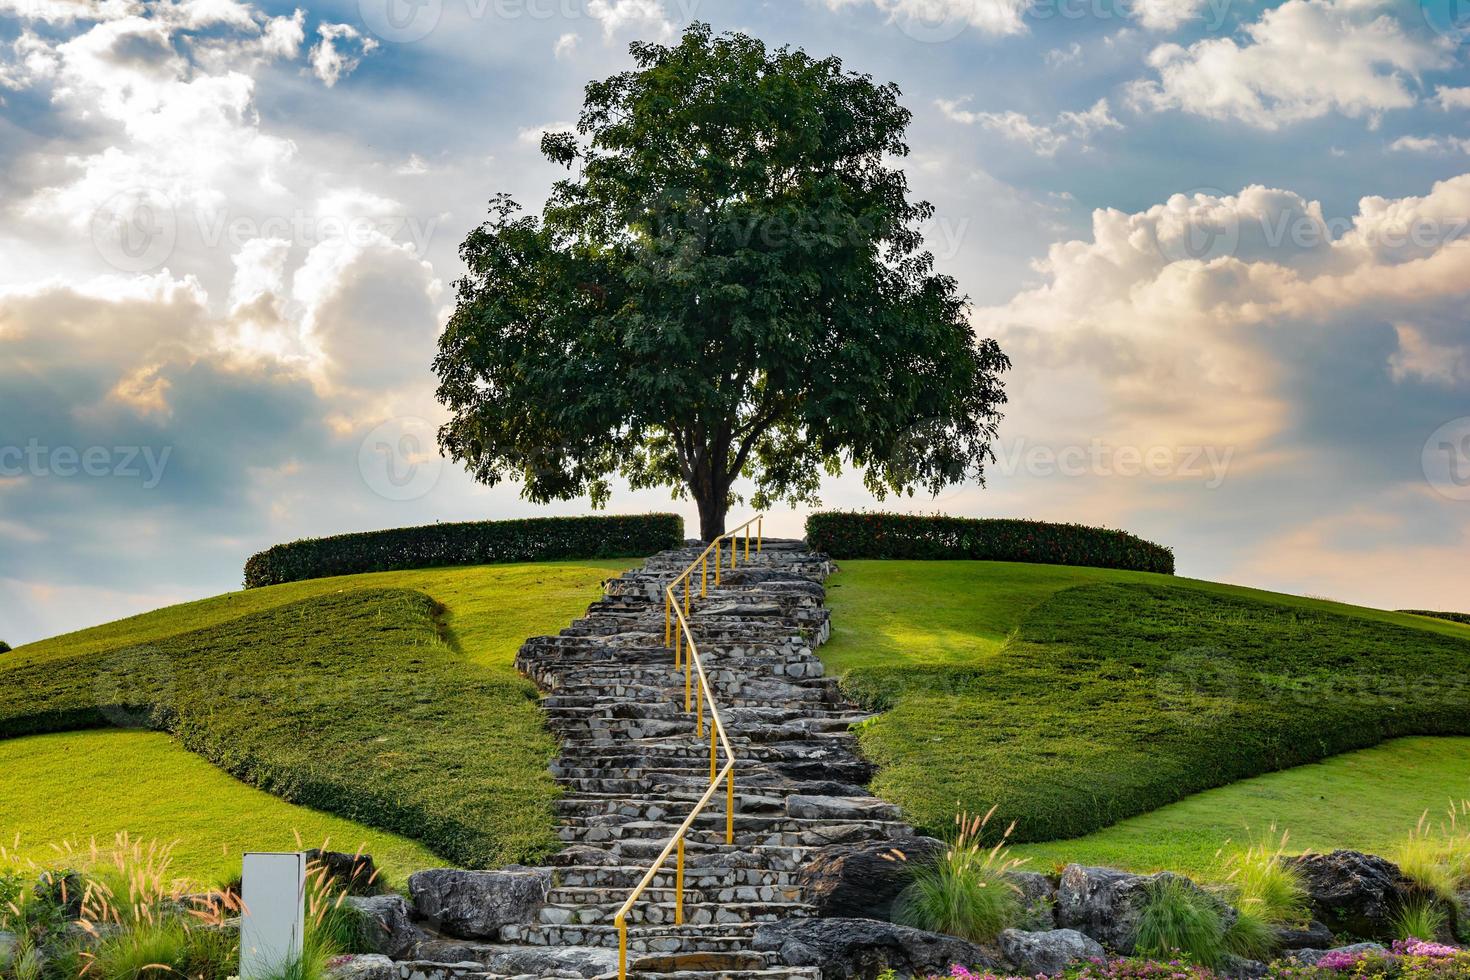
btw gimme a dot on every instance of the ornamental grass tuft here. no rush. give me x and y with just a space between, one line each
963 891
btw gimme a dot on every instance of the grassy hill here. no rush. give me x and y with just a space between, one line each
1075 698
388 699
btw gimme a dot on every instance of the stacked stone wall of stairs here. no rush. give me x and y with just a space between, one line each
632 767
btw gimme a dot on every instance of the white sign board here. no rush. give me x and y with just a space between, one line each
273 921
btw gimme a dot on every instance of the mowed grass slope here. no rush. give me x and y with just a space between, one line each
77 787
1369 800
397 708
1074 698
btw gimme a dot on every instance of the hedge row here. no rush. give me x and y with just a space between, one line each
471 543
862 535
1454 617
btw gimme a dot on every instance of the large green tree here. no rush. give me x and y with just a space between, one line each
731 282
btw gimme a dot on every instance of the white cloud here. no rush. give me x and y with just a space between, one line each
1057 57
1043 139
1420 357
566 46
1166 15
339 52
1301 60
1172 346
644 19
942 19
1452 98
1430 144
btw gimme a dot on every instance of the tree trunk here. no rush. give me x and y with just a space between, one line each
713 505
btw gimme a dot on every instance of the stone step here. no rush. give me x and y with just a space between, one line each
623 878
642 937
696 890
650 911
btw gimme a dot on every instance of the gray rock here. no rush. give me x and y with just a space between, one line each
452 951
387 926
8 942
563 961
1310 957
1314 935
368 966
429 970
1353 893
1232 967
1033 953
476 904
1038 900
860 881
839 808
1106 904
859 949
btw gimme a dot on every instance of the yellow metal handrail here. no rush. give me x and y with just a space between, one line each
680 638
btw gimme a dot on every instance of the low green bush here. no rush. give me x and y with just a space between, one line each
914 536
350 702
471 543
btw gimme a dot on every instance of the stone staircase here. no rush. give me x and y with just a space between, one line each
633 767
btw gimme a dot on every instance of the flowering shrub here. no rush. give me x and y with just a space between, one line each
1407 960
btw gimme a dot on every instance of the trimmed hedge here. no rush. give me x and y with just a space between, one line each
913 536
469 543
1454 617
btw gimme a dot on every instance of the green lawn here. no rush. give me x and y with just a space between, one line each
389 699
78 787
1368 800
1075 698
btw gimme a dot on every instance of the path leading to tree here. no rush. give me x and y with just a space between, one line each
633 767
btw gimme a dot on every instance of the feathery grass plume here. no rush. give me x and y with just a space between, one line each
1437 859
1176 918
1267 892
963 891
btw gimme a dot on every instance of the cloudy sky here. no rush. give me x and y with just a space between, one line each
1226 243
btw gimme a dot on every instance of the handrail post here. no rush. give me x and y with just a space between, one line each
699 711
704 576
686 595
760 530
733 550
713 743
679 648
622 923
747 543
669 622
688 682
730 804
679 887
717 561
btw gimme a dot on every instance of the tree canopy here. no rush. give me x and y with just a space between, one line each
730 283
